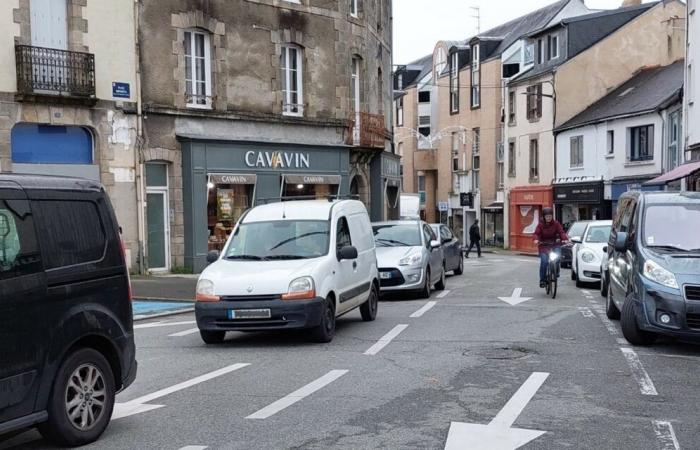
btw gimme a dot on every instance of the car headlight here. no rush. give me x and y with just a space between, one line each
205 291
587 256
301 288
553 256
658 274
410 260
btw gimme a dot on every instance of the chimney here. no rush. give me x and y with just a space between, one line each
626 3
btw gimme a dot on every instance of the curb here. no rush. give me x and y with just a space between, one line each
141 317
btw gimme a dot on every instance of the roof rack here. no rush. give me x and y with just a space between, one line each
290 198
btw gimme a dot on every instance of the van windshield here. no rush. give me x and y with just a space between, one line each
673 227
397 235
280 239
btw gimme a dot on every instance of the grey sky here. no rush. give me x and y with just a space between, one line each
419 24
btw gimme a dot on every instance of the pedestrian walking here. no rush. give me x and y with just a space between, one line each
474 238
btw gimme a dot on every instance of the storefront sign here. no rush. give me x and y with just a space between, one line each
232 179
578 193
312 179
277 160
390 167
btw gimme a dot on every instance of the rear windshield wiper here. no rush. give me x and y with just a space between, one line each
247 257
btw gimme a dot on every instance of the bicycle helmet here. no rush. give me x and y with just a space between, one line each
547 211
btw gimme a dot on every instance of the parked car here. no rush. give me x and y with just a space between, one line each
291 265
66 324
653 268
589 253
451 248
575 232
410 257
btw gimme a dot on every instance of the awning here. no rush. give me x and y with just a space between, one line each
232 178
682 171
312 179
494 206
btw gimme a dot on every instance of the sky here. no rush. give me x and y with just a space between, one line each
419 24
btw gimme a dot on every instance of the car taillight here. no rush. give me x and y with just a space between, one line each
128 276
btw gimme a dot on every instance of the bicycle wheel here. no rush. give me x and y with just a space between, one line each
553 279
548 284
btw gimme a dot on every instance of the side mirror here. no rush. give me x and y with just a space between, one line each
434 244
621 241
213 256
347 252
576 240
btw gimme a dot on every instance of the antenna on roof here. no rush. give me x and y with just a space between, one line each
477 16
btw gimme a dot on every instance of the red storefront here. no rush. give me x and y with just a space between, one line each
526 203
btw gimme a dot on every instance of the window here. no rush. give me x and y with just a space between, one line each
511 107
399 81
455 152
454 82
500 180
424 125
534 102
641 147
540 51
355 85
511 159
380 11
529 53
476 140
534 160
429 235
424 97
440 63
445 234
576 151
353 8
552 46
197 69
291 63
19 250
611 142
476 79
689 91
421 189
674 136
342 234
399 111
476 167
380 91
72 230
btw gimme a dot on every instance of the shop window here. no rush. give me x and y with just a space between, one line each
226 203
198 69
292 67
51 144
19 251
641 143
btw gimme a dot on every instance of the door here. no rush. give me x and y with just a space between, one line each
434 254
48 23
450 247
347 273
621 260
24 316
157 217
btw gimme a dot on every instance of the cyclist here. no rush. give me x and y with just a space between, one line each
546 236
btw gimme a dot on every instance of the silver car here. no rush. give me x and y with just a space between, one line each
409 256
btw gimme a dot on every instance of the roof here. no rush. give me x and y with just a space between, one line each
679 172
649 90
298 210
421 67
50 182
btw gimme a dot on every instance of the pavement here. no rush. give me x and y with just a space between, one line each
480 365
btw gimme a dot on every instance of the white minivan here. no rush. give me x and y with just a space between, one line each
291 265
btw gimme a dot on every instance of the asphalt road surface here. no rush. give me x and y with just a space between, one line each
464 369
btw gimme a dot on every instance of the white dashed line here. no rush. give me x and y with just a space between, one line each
665 435
423 309
184 333
586 312
646 386
442 294
384 340
298 395
194 447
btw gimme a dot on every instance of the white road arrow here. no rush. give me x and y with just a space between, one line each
498 435
515 298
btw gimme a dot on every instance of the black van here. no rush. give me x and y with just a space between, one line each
66 324
653 268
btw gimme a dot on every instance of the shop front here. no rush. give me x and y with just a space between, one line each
580 200
221 180
526 203
492 224
385 187
619 186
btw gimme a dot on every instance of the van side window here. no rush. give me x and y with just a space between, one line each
429 235
445 233
71 231
19 251
342 234
626 220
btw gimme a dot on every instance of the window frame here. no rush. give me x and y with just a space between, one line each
342 220
512 105
454 82
399 111
552 47
576 152
287 92
636 133
26 234
610 143
475 75
534 169
208 103
354 9
512 159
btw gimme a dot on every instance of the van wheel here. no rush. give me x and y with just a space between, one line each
425 292
460 268
212 337
369 308
630 329
440 285
603 285
81 401
610 309
326 329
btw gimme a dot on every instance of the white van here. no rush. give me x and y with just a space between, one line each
291 265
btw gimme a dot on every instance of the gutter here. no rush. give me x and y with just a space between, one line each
138 153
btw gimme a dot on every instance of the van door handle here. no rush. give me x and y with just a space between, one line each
354 264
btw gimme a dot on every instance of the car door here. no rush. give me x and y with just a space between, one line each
435 255
620 260
24 316
347 272
362 239
450 247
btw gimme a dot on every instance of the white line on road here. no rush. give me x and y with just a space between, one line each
666 436
646 386
194 447
184 333
586 312
443 294
297 395
384 340
425 308
163 324
517 403
622 341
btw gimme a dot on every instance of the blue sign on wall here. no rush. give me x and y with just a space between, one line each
121 90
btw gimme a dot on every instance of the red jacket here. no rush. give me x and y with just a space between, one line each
547 234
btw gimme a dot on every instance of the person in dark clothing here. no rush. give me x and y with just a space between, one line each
546 235
474 238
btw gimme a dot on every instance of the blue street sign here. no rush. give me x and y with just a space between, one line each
120 90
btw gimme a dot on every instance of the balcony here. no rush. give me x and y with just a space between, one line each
425 160
61 76
366 130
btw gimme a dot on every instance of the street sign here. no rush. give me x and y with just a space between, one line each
121 90
443 206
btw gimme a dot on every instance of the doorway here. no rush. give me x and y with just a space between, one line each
157 217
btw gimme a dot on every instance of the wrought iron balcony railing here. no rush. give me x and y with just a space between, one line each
366 130
53 72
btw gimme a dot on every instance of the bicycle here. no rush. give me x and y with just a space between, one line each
553 269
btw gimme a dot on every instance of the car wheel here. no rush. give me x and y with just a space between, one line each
326 329
610 308
603 285
440 285
81 401
579 283
368 309
573 275
630 329
425 292
460 267
212 337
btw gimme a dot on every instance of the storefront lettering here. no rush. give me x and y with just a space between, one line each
277 160
314 180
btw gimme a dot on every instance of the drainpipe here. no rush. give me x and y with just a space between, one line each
138 153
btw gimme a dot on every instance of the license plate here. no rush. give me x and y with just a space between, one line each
249 313
384 275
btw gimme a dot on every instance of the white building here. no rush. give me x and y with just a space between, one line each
691 109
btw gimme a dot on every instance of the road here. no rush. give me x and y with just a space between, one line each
415 378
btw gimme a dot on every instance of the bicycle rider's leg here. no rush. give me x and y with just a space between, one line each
544 261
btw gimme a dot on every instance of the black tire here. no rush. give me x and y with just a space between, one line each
553 279
579 283
573 275
60 428
630 329
325 330
610 308
212 337
440 285
425 291
460 267
368 309
603 285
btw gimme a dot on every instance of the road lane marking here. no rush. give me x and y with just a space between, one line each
194 447
384 340
298 395
425 308
515 298
163 324
665 435
586 312
139 405
443 294
646 386
622 341
184 333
